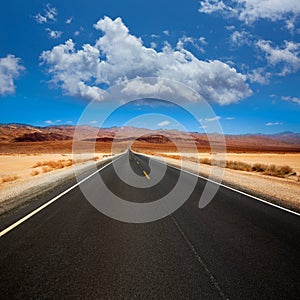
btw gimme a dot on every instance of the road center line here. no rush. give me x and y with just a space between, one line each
147 176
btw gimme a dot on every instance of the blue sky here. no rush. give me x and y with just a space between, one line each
242 56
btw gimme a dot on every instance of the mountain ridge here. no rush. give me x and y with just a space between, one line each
161 129
25 133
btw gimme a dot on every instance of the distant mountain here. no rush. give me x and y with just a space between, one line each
17 133
288 136
41 137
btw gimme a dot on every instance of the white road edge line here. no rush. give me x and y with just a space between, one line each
233 189
34 212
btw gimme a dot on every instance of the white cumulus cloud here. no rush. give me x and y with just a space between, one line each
48 15
53 34
10 69
241 38
260 76
252 10
288 55
153 45
190 40
210 6
119 56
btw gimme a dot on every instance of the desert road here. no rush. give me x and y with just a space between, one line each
234 248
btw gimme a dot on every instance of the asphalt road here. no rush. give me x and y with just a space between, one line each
236 247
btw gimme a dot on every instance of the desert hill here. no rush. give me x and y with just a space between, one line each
22 134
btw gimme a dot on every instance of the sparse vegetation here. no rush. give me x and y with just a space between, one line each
34 173
272 170
50 165
259 167
59 164
46 169
280 171
205 161
238 165
9 178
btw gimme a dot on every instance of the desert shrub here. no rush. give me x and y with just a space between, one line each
193 159
238 165
218 163
46 169
205 161
55 164
9 178
279 171
52 164
38 164
259 167
34 173
285 170
68 163
272 170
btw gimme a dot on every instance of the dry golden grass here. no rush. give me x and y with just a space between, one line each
259 167
280 171
9 178
46 169
16 170
59 164
83 160
238 165
205 161
271 170
34 173
51 165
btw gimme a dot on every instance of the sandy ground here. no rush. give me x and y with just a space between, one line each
22 165
11 192
290 159
280 191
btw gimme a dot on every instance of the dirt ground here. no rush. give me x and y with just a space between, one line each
280 159
19 168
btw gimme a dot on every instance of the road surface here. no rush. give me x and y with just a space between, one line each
235 248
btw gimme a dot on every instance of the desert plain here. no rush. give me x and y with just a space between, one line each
31 158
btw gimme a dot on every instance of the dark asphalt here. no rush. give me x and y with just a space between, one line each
235 248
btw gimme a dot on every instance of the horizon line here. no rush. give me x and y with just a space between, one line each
136 127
